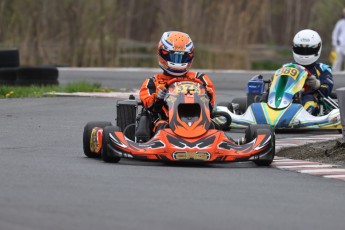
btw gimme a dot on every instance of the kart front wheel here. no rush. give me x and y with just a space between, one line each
107 152
87 136
251 134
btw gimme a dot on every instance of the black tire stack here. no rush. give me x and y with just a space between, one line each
9 63
11 73
37 75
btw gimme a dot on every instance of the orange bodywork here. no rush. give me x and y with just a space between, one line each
185 94
190 135
212 146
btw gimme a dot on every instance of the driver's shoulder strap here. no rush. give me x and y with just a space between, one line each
200 76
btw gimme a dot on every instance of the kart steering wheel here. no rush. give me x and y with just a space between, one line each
226 124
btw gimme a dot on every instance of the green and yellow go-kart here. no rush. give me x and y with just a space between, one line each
278 103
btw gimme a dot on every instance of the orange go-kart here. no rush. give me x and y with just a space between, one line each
191 135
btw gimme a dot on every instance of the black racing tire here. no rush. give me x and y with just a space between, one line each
37 75
87 135
107 155
9 58
228 105
8 76
251 133
242 102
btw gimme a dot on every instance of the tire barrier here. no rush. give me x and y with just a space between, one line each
8 76
37 75
9 58
12 74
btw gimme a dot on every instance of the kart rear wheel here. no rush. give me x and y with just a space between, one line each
87 136
242 105
107 154
251 133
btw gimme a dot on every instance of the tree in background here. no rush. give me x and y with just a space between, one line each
87 32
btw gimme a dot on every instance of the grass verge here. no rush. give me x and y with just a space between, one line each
7 91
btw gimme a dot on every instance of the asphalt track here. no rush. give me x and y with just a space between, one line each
47 182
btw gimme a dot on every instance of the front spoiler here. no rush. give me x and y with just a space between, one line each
214 146
292 117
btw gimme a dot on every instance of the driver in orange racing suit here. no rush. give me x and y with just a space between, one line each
175 57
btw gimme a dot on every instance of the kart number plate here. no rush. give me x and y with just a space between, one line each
288 71
187 88
204 156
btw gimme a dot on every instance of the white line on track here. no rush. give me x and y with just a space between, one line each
305 166
322 170
335 176
288 161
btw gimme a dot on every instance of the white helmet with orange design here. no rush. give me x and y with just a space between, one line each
175 53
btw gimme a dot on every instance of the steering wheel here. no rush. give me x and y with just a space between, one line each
226 124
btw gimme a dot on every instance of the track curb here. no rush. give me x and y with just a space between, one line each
304 166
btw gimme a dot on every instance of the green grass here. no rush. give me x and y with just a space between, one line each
7 91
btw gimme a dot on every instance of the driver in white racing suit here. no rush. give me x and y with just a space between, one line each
306 50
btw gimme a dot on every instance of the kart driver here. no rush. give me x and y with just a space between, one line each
175 53
306 51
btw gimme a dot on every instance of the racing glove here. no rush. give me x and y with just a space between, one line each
313 82
161 92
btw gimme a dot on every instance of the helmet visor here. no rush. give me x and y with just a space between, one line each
176 56
303 50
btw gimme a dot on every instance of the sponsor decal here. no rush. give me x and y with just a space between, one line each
187 88
95 142
305 40
204 156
